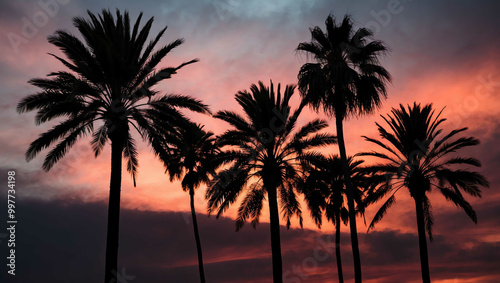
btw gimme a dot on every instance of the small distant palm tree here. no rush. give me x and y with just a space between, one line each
419 159
264 159
111 79
346 80
324 192
191 156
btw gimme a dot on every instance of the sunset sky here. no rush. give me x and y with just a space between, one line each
446 53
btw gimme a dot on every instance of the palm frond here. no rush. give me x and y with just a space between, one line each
99 139
62 148
251 206
428 216
290 206
226 188
381 212
130 153
459 201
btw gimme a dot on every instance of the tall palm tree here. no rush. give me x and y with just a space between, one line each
417 158
265 158
346 80
324 191
191 157
109 83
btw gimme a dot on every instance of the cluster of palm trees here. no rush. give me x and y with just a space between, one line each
109 91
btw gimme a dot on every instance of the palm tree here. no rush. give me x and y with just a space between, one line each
264 158
417 159
346 80
191 157
110 82
324 191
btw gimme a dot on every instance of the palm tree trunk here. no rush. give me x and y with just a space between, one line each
197 237
422 242
350 201
337 249
111 265
275 235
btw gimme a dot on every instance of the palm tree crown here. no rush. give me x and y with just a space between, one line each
112 74
265 158
264 153
347 77
191 155
419 158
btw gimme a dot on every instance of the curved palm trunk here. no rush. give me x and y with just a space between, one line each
197 237
275 235
337 249
111 265
350 201
422 242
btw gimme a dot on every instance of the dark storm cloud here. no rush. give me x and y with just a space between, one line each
61 241
392 246
64 241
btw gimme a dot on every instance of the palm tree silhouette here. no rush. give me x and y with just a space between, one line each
324 191
346 79
417 159
112 73
192 157
264 158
